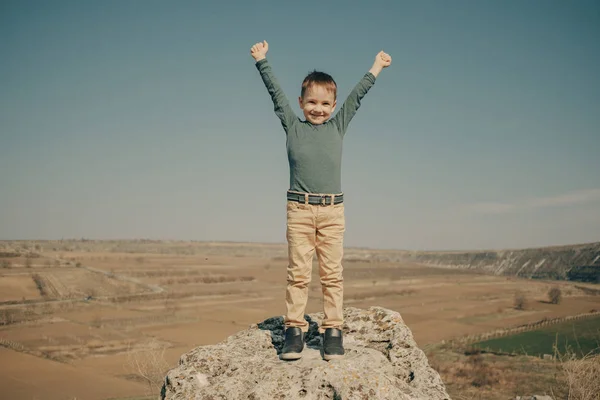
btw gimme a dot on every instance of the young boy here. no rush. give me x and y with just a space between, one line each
315 208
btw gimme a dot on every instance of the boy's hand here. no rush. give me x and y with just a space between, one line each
382 60
259 50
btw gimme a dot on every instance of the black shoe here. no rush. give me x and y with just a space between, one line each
293 345
333 346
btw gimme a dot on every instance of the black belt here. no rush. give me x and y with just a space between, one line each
316 199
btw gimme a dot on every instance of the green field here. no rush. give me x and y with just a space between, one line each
581 337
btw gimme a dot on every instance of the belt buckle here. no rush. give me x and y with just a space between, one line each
323 200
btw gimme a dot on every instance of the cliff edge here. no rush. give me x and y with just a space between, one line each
573 262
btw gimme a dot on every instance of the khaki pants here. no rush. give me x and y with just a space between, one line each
309 228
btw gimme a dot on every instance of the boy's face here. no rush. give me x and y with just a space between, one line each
318 104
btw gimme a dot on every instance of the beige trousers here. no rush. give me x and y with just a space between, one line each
309 228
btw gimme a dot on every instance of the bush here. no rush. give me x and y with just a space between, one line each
40 284
579 375
520 301
555 295
148 363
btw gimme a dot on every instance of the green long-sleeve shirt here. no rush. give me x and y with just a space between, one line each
314 151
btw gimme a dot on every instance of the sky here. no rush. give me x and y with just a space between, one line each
148 119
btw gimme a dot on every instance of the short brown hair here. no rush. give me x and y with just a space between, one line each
319 78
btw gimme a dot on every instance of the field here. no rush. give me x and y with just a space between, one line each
580 337
106 320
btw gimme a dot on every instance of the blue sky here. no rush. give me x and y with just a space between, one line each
148 119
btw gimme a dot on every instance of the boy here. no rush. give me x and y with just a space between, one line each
315 208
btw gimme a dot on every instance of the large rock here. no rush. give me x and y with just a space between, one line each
382 362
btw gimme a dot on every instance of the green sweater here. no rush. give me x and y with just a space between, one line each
314 151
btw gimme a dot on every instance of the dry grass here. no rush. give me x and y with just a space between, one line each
33 311
379 293
148 364
473 371
475 374
207 279
580 378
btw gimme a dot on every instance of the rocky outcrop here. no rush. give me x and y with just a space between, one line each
382 361
541 263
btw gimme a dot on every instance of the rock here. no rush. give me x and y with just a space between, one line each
382 361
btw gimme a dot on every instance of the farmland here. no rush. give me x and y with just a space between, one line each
100 320
581 337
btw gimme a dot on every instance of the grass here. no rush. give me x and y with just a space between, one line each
494 377
582 336
580 376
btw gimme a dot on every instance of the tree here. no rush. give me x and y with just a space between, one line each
555 295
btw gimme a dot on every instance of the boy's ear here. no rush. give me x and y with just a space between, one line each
334 104
300 102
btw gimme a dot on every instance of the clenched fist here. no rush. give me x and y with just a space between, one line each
259 50
383 59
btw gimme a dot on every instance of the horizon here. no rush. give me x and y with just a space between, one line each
83 240
122 119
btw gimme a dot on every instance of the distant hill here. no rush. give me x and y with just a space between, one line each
575 262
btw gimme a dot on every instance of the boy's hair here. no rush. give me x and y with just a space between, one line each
321 79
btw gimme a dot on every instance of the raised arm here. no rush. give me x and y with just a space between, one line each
282 107
352 103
